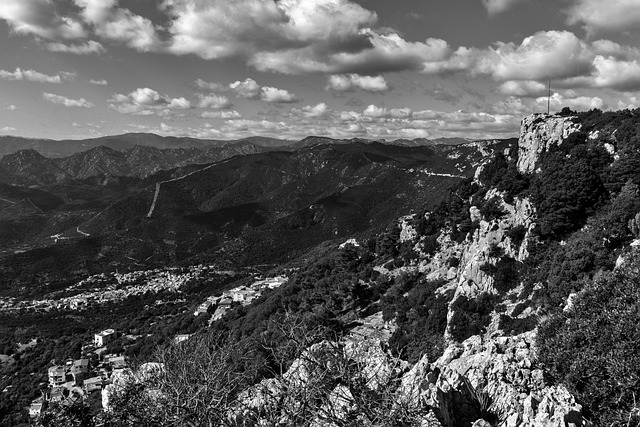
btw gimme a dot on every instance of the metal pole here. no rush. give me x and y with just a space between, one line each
549 99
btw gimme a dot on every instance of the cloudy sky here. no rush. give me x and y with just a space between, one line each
291 68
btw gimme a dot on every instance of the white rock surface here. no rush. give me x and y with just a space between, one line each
538 132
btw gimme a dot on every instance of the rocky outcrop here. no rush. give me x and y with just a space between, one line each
497 378
538 132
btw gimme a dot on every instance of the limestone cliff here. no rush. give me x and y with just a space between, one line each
538 132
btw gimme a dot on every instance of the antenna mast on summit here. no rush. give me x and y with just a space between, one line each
549 99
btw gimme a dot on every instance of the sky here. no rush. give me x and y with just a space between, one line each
377 69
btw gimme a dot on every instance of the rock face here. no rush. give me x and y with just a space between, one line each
497 378
538 132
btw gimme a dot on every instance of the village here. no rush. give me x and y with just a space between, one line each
241 294
114 287
96 369
71 379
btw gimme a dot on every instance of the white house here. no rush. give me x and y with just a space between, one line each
103 338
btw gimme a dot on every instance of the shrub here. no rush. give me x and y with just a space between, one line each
593 349
516 234
492 209
471 316
515 326
507 274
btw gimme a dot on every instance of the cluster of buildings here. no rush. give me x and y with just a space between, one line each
77 378
114 287
242 295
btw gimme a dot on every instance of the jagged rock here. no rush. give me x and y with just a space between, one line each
407 232
538 132
503 369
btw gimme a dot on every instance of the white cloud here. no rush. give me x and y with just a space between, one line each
201 84
498 6
67 102
7 129
35 76
101 82
213 101
12 107
147 102
621 75
248 88
40 18
349 82
381 52
317 111
219 28
231 114
525 88
88 48
605 16
255 126
382 112
121 25
544 55
579 103
275 95
609 48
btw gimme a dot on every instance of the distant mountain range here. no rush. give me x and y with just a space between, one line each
238 203
64 148
39 162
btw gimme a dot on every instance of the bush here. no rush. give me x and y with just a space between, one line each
593 349
471 316
516 234
507 274
492 209
514 326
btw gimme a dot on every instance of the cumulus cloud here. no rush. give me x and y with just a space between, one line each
605 16
255 126
250 89
498 6
579 103
201 84
218 28
40 18
35 76
12 107
317 111
231 114
615 74
121 25
526 88
350 82
147 102
67 102
278 96
383 52
544 55
88 48
100 82
7 129
213 101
